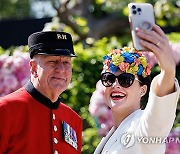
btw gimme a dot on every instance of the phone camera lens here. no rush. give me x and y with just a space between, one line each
133 7
134 12
139 9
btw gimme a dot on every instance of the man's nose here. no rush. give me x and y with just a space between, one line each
60 67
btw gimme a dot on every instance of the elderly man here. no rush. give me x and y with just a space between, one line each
33 120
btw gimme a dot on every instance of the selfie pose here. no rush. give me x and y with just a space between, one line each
125 77
33 120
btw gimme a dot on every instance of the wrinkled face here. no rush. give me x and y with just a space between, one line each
120 98
53 73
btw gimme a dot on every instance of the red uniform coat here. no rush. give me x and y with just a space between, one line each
31 124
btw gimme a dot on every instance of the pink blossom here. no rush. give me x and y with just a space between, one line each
176 52
14 71
100 87
173 146
99 110
150 58
97 100
3 59
8 65
10 81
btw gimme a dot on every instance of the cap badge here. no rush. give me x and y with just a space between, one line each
61 36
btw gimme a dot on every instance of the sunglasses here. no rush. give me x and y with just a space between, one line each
124 79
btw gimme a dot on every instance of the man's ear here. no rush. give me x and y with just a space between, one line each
33 67
143 90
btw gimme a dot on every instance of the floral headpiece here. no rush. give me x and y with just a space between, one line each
128 60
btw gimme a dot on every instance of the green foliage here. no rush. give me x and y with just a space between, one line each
2 51
166 11
16 9
11 49
177 120
90 140
174 37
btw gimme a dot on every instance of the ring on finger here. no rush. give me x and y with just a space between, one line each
158 43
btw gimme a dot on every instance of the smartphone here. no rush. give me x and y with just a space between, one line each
140 15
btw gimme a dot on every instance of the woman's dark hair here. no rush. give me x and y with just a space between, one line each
145 81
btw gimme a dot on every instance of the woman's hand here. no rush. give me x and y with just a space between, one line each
157 42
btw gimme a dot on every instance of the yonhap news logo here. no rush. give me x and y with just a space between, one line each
128 139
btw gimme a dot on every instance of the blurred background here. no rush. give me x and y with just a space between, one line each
97 26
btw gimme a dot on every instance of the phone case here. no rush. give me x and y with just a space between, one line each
140 15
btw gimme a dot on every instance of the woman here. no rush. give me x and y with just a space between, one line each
125 75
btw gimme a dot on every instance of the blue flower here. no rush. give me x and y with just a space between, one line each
140 69
113 68
137 55
107 57
128 57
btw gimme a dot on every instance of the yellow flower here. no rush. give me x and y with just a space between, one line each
126 49
129 49
132 69
134 50
143 61
144 74
135 67
117 59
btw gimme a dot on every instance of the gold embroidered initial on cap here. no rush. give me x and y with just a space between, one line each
61 36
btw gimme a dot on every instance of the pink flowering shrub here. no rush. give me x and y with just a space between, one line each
175 51
14 71
99 110
173 145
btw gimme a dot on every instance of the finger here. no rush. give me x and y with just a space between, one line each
157 29
152 37
152 47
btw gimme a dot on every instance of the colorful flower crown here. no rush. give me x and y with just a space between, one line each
128 60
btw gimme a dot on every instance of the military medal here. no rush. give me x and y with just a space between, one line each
69 135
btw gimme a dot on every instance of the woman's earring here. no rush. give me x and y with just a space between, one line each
141 94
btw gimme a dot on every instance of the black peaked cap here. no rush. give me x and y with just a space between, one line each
51 43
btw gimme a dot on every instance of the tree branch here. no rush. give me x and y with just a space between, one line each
110 24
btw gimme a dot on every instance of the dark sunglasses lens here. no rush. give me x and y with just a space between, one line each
107 79
126 79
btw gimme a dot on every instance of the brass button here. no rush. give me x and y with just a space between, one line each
56 152
54 116
55 140
55 128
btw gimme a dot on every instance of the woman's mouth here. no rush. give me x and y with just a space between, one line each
117 95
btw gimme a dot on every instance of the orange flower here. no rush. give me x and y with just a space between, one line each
136 60
116 51
148 70
124 66
107 62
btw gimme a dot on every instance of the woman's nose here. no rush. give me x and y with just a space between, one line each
116 83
